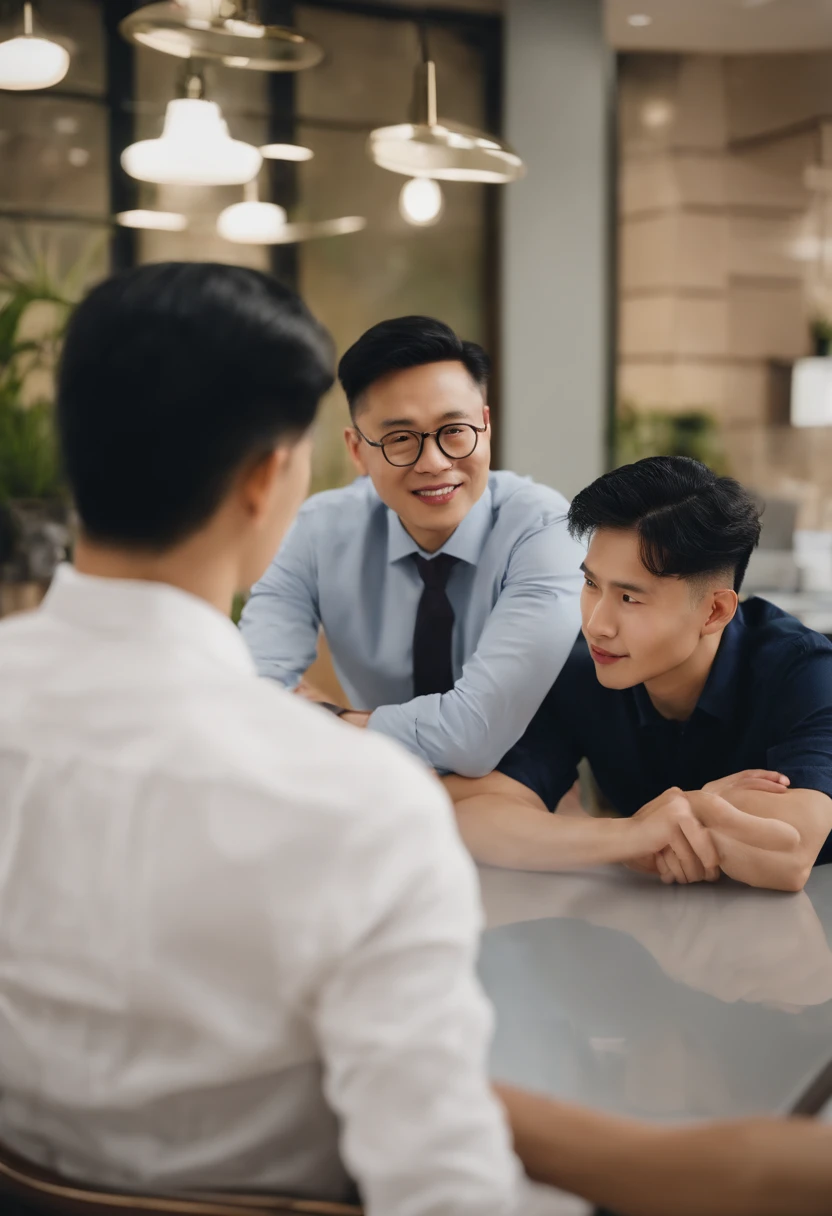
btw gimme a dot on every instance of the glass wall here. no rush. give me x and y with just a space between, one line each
54 158
61 182
392 267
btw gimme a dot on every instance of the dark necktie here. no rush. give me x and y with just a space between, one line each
432 667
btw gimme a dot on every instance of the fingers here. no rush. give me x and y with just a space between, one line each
749 779
762 783
772 834
700 840
681 857
666 874
643 865
765 774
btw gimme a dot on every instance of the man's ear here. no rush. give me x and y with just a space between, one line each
356 449
723 608
486 415
258 481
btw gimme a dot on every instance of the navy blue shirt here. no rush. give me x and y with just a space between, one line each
767 704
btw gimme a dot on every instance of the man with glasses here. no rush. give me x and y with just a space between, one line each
448 594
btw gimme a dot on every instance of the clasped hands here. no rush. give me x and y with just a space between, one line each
684 834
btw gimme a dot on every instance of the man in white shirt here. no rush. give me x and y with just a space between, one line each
237 938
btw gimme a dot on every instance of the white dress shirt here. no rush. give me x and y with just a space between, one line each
232 930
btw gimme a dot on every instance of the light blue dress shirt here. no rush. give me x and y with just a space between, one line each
347 565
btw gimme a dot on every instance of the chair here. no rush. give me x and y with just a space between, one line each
41 1192
816 1095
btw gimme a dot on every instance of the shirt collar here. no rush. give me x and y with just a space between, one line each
466 543
720 696
134 609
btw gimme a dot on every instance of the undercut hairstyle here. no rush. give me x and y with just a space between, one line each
690 523
402 343
173 376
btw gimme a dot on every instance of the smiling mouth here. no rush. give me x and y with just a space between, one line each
437 495
604 657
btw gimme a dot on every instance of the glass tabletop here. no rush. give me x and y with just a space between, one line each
669 1003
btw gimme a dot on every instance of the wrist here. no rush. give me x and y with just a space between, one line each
635 839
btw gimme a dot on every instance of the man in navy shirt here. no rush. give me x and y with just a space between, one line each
707 723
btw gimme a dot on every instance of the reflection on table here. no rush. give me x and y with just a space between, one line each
668 1003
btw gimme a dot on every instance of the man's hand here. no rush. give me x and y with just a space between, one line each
310 693
669 866
749 779
675 844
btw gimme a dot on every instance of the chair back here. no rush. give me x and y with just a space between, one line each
42 1192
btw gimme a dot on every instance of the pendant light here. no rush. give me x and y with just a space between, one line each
421 202
194 149
156 221
295 152
230 33
446 151
253 222
28 62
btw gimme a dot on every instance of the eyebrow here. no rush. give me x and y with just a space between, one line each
448 416
621 586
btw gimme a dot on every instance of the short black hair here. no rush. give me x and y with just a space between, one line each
689 521
407 342
172 376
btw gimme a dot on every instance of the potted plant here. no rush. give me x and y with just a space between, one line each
35 305
821 331
695 433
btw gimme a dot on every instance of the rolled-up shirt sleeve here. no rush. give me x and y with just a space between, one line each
546 758
521 650
801 746
281 621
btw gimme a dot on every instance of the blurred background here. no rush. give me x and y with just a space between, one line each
658 280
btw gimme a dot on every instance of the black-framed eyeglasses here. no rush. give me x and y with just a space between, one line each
456 440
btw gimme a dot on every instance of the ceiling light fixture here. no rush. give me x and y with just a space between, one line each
310 230
253 222
194 148
161 221
447 151
421 202
235 36
286 152
639 19
28 62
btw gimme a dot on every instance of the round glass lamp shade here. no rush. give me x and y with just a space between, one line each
252 223
448 152
179 29
31 63
420 201
195 149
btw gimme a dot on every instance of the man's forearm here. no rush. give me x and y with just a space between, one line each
770 843
750 1168
518 836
